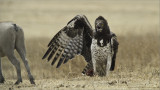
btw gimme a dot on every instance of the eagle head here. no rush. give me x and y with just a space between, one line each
102 31
101 25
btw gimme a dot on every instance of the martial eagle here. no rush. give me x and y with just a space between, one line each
98 47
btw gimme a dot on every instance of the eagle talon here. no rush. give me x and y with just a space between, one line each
90 73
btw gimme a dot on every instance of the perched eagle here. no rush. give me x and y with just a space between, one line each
98 47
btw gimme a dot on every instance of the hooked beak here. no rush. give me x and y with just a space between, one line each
99 29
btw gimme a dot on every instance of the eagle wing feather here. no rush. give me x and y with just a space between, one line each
70 41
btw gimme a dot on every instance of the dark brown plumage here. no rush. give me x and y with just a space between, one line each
73 39
76 38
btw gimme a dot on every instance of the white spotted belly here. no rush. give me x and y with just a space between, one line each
100 54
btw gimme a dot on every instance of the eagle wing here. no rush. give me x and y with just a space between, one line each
75 38
115 50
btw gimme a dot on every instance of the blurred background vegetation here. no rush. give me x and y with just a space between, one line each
136 24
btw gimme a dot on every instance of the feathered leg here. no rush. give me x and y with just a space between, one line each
108 66
88 70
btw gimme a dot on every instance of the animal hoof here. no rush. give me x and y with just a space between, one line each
2 80
32 81
17 82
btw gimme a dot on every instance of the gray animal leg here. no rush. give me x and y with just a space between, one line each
23 56
16 63
1 76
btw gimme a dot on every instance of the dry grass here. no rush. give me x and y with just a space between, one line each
135 23
137 66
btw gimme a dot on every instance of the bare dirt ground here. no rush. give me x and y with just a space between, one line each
136 24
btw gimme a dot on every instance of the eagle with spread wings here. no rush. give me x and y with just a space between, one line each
98 46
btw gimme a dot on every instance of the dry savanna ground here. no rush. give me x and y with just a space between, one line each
136 23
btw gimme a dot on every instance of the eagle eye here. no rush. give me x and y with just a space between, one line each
102 25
